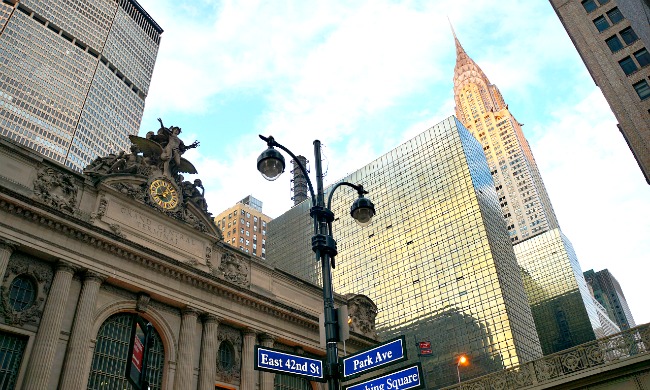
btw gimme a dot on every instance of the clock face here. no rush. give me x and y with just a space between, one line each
163 194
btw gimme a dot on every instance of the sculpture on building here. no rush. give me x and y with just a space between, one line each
362 311
152 173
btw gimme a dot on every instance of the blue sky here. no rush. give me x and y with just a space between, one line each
364 76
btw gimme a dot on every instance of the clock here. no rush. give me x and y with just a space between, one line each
164 194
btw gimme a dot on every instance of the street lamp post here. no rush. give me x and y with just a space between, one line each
462 360
271 165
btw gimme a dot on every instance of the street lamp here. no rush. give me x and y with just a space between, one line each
462 361
271 165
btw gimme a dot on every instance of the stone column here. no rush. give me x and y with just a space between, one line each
6 249
74 375
185 358
49 330
248 360
267 378
209 343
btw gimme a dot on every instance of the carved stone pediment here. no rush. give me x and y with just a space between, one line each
362 311
56 189
232 268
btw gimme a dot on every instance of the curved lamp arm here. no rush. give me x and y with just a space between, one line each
358 188
270 141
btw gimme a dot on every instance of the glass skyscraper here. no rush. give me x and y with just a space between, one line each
436 259
74 75
565 313
608 292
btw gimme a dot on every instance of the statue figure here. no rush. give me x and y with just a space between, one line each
165 149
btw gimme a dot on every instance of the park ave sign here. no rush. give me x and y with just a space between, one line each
390 352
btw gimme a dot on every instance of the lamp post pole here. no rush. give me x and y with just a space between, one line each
271 164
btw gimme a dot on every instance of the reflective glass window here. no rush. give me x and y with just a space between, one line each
642 57
642 89
628 65
615 15
614 43
628 35
601 23
589 5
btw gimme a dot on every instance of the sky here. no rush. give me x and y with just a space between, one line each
365 76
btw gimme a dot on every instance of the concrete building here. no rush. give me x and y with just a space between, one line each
74 75
613 37
608 292
244 226
552 276
83 256
436 259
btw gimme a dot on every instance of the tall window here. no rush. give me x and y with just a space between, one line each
601 23
628 65
12 348
642 89
642 57
111 355
614 43
628 35
615 15
589 5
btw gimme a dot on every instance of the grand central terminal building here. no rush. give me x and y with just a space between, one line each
85 256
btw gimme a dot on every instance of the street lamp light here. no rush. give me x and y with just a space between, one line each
271 165
462 361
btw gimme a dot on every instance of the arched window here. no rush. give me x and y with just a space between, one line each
286 382
112 354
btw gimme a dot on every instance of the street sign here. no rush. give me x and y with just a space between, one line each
390 352
401 379
273 360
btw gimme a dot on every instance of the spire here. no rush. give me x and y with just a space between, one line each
459 47
466 69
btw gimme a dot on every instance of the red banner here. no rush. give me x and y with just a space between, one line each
424 344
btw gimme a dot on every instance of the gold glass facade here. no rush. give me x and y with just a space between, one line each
74 75
565 315
436 259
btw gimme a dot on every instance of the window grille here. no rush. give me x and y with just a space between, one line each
12 348
112 354
21 293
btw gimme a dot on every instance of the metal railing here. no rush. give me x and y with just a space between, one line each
565 364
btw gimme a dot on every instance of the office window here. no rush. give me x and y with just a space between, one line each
642 57
628 35
615 15
589 5
601 23
642 89
614 43
12 348
628 65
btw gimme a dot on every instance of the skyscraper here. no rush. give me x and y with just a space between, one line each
74 75
608 292
244 226
564 311
612 38
436 258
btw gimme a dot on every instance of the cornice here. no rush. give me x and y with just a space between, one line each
107 241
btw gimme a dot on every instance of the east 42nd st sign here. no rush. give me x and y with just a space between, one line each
273 360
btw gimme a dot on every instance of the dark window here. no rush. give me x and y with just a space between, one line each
601 23
642 57
614 43
226 356
628 65
21 293
615 15
589 5
642 89
603 2
628 35
12 348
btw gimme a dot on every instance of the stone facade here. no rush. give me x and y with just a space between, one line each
77 250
